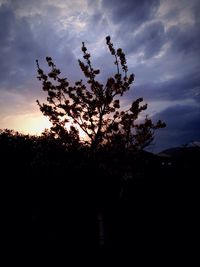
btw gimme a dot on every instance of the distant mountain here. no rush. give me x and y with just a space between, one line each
194 144
189 152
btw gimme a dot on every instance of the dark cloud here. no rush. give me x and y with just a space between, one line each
18 48
184 40
149 40
183 126
177 88
23 40
130 12
195 11
7 20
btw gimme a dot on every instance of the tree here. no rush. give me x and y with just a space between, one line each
95 108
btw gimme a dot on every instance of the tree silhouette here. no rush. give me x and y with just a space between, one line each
95 108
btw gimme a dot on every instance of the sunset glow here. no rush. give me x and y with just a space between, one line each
33 124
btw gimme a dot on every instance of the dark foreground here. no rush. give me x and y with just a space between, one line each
61 204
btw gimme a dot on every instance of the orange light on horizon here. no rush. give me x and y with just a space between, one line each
31 123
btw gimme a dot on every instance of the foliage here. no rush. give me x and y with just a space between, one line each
95 108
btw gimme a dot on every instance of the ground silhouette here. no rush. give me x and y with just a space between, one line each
62 201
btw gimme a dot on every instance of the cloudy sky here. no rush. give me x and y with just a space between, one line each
161 40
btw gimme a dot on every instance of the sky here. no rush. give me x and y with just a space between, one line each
161 40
